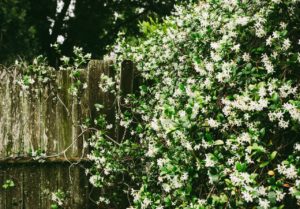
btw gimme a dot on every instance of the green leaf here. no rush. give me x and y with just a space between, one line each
213 177
297 194
264 164
54 206
241 167
275 97
272 197
273 155
219 142
262 131
168 201
258 148
223 198
209 137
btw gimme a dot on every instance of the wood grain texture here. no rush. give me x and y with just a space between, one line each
34 185
47 118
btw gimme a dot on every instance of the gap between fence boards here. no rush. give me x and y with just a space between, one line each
30 160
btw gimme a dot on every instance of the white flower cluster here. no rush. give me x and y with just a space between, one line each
217 118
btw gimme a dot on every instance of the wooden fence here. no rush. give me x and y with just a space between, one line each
48 119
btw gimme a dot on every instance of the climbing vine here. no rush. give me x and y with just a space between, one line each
39 71
215 123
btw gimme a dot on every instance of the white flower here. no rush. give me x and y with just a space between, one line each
297 183
267 63
185 176
215 56
161 162
235 179
286 44
201 201
176 183
213 123
187 145
60 39
289 172
279 195
265 204
55 198
246 177
236 47
84 86
152 150
246 57
94 179
146 202
209 162
154 125
262 191
109 126
248 159
209 67
200 70
259 29
262 92
182 113
166 187
230 161
283 25
276 1
283 124
269 41
246 116
247 196
215 45
274 54
292 190
297 147
275 34
244 138
242 21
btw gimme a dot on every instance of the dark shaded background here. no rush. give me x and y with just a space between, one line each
24 25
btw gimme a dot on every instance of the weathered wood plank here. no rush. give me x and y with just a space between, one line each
95 68
2 191
63 178
84 114
50 140
32 184
127 77
14 197
49 184
47 117
126 87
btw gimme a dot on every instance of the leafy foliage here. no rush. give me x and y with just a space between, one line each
8 184
58 198
32 76
215 123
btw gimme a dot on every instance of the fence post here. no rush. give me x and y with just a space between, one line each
96 95
126 87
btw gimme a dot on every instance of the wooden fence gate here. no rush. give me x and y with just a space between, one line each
47 120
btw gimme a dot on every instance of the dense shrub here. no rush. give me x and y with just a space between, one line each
215 123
